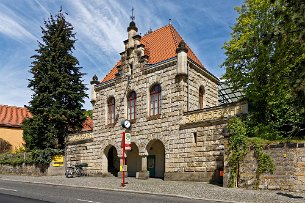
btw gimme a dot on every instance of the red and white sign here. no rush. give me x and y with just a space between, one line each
127 141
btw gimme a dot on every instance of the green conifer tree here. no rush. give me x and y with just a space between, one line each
58 88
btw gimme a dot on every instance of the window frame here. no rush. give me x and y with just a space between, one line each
111 110
155 100
201 97
132 106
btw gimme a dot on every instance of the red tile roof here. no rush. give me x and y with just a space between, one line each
160 45
13 116
88 124
112 73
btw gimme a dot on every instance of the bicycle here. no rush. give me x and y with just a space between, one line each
75 171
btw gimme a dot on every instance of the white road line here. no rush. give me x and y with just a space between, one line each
83 200
8 189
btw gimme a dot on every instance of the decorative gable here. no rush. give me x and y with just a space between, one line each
159 45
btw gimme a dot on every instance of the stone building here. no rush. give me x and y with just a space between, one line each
170 98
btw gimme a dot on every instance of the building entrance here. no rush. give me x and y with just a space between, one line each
151 167
133 161
156 159
113 161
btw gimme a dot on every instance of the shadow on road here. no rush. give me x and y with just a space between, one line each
290 195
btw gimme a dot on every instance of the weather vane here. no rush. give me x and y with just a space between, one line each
132 17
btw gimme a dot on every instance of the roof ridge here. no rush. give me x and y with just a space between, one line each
18 107
157 30
174 34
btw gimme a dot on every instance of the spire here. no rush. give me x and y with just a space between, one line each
132 24
132 17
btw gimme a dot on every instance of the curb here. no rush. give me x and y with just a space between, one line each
122 190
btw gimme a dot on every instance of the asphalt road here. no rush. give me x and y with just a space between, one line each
18 192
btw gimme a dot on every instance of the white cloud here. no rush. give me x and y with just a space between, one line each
11 28
97 25
100 27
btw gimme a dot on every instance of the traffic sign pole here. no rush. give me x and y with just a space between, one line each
123 159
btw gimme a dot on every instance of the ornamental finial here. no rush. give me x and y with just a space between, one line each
132 17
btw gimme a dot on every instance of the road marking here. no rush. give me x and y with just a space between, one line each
8 189
83 200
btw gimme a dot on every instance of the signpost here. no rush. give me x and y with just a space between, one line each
126 145
123 159
127 141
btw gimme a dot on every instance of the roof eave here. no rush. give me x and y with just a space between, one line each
205 71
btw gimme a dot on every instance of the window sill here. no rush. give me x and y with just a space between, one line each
111 125
132 121
154 117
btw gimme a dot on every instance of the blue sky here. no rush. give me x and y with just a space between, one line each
100 27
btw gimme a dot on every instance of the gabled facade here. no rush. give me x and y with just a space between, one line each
155 83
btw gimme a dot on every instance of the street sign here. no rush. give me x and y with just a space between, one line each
58 160
123 168
127 141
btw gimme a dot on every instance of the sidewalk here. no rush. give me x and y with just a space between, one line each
195 190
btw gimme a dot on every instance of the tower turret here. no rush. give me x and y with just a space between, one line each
132 31
182 58
93 82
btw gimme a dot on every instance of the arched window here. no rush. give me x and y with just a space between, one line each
132 105
155 100
201 97
111 110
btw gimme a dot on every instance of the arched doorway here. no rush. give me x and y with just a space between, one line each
156 159
133 161
113 161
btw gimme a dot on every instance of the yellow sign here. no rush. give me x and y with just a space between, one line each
123 168
224 112
58 160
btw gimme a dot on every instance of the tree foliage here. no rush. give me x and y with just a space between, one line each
239 146
265 58
89 113
58 88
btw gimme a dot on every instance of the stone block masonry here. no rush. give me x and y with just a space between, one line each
289 173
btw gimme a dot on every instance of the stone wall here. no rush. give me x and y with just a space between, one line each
200 157
80 148
211 90
289 174
23 170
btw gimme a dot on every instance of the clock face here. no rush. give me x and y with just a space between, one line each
127 124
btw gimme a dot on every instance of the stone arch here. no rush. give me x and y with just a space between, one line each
110 160
156 158
133 160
